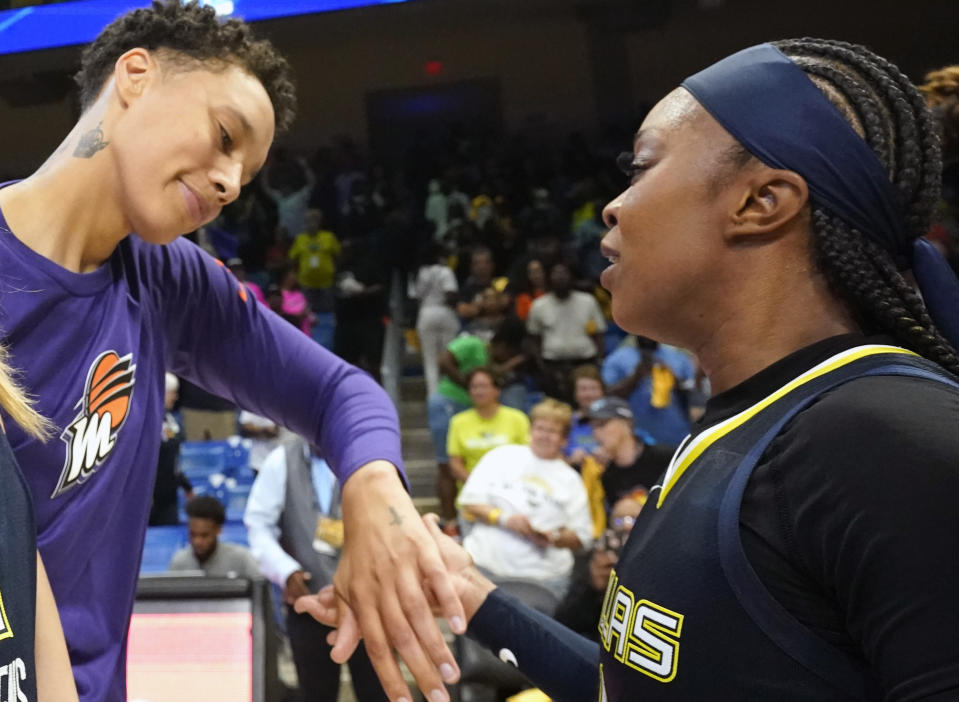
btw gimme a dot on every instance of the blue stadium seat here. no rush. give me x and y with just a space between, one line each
236 496
235 533
200 459
160 544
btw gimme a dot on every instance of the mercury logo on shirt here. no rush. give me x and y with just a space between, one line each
103 407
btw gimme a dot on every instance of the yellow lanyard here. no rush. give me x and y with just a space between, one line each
690 450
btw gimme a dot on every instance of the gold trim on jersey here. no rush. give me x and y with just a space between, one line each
689 451
5 631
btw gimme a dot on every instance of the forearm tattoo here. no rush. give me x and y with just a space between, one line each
397 519
90 143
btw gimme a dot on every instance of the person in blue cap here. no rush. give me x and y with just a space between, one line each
802 544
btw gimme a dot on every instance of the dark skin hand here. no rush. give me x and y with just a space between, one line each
296 586
450 368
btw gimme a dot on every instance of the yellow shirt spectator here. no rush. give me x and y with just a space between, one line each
315 253
471 436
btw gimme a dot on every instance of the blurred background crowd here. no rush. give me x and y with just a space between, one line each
435 219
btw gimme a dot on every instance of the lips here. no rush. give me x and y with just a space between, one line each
197 207
609 253
612 255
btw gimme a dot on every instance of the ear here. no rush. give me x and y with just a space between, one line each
770 201
133 72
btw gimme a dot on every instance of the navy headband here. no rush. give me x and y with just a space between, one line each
773 109
768 104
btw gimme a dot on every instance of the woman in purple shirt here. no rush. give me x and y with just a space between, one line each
101 296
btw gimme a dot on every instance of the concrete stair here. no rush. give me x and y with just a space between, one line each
418 452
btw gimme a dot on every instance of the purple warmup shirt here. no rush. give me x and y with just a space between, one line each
93 349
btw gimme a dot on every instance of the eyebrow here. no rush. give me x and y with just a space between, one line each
244 122
640 133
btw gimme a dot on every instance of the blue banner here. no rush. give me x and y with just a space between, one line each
64 24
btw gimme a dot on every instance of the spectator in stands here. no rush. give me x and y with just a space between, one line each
588 387
631 465
436 210
264 435
581 608
295 307
530 286
274 300
206 552
239 270
434 286
541 217
585 243
315 250
169 477
656 379
491 304
567 329
206 417
296 532
291 198
529 507
360 307
481 274
462 355
509 361
488 424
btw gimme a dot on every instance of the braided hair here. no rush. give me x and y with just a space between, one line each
885 108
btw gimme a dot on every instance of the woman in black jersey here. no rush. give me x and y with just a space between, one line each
803 543
33 654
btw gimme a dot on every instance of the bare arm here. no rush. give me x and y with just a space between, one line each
458 468
54 676
600 343
565 538
450 368
516 523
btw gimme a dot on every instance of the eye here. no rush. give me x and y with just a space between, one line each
628 164
226 141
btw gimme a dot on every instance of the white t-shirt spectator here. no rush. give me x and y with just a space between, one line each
260 448
566 325
548 492
431 285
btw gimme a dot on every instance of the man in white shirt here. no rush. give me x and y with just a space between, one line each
294 522
567 329
530 507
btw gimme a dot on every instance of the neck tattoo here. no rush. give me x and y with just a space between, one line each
91 142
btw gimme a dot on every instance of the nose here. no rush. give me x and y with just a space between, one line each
611 212
227 179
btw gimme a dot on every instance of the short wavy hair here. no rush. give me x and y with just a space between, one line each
189 36
206 507
552 410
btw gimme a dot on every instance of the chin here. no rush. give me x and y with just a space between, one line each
160 235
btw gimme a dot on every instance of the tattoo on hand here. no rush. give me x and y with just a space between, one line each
91 142
397 519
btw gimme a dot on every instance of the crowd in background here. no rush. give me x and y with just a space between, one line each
550 424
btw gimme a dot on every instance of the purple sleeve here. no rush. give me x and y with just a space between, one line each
222 339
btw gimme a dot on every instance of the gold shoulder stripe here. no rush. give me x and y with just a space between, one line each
695 448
